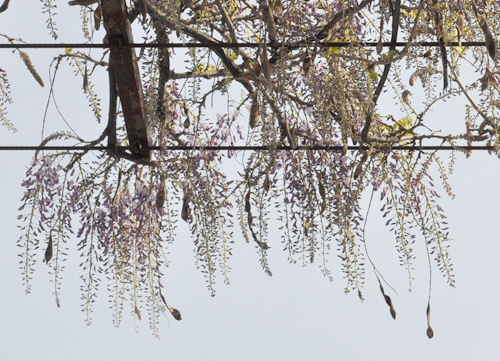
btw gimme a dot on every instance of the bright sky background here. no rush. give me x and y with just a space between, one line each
294 315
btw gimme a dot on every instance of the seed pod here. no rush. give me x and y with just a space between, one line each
97 17
48 251
254 112
266 184
380 46
388 301
267 69
250 220
415 76
85 80
488 37
31 68
247 202
430 332
358 171
268 15
460 26
185 209
322 193
406 96
175 313
160 196
306 64
187 122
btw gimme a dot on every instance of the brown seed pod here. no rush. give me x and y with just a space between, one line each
267 69
31 68
322 193
388 301
175 313
358 171
250 220
415 76
247 202
48 251
267 183
306 63
430 332
488 37
185 209
85 80
160 196
406 96
97 17
380 46
254 112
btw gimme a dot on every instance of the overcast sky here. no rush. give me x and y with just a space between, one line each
294 315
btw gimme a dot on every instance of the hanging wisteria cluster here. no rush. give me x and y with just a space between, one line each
295 97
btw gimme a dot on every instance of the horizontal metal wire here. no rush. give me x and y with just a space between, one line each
235 45
239 148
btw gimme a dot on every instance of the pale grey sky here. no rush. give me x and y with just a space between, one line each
294 315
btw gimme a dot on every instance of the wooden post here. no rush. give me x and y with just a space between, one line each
128 81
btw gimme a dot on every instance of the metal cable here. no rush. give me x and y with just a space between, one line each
241 148
233 45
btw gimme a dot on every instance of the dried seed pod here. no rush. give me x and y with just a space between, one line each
48 251
267 183
250 220
268 15
289 135
388 301
322 193
380 45
415 76
185 209
247 202
406 96
254 112
306 63
160 196
97 17
267 69
460 23
358 171
488 37
430 332
175 313
460 26
306 227
31 68
85 80
187 122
